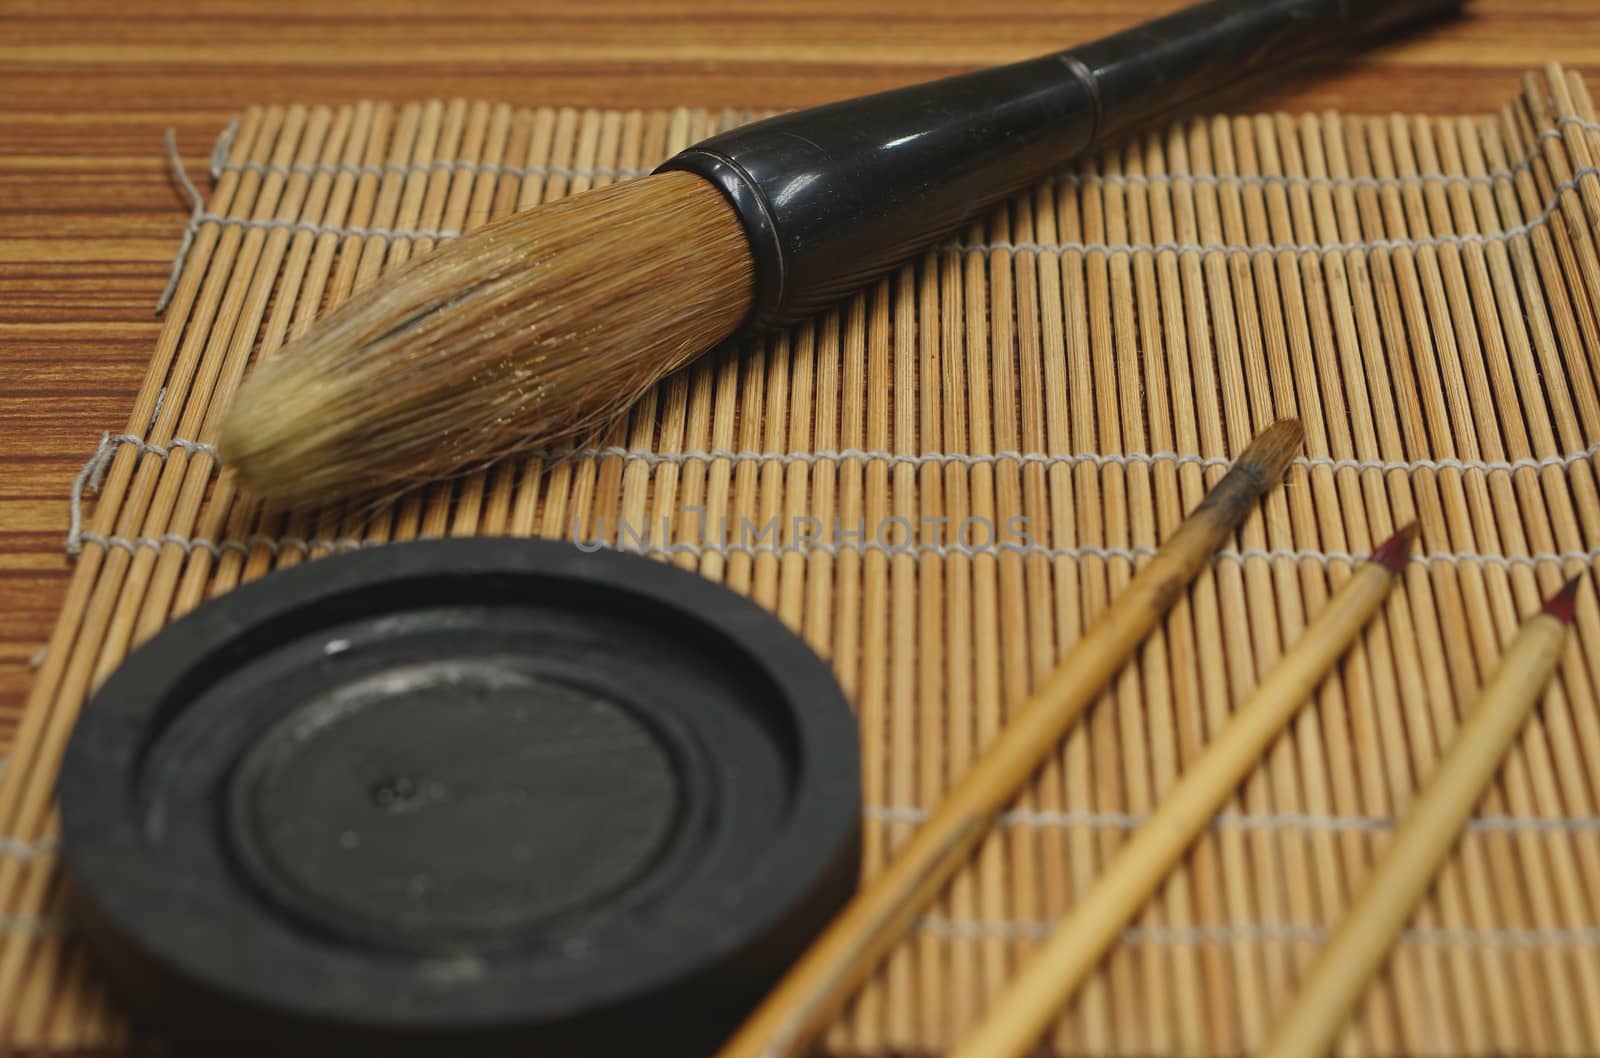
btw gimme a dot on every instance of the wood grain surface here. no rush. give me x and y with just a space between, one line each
89 219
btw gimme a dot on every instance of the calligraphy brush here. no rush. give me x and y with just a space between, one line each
533 330
1054 974
816 987
1411 859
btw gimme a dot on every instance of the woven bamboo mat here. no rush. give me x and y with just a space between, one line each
941 482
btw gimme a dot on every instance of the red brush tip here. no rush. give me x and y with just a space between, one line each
1395 552
1562 604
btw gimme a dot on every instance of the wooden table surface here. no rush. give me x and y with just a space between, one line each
89 219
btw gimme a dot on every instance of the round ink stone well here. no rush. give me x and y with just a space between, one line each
464 797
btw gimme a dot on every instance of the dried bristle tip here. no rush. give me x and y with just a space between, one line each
528 332
1563 604
1395 552
1273 447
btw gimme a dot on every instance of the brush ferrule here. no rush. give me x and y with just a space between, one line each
760 227
832 196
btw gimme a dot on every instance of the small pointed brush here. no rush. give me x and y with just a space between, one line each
1054 974
1342 970
537 328
817 986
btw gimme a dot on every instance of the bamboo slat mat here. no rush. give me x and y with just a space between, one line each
940 483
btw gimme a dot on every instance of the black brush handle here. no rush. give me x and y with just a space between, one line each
832 196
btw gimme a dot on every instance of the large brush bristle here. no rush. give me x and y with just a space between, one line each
527 332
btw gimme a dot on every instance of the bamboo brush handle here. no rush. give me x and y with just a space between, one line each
833 196
1331 988
1052 977
818 985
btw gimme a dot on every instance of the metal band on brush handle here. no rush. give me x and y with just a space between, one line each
833 196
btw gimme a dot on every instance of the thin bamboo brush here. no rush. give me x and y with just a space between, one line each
1053 976
818 985
536 329
1407 868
